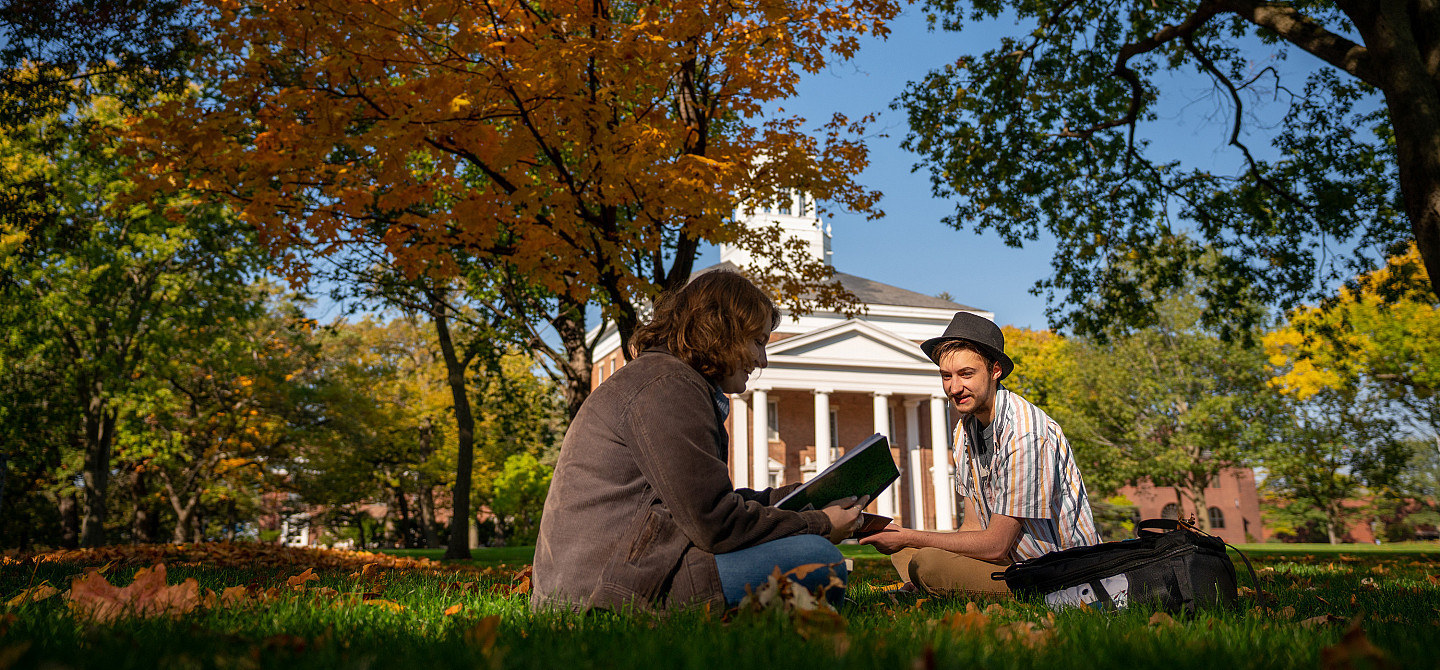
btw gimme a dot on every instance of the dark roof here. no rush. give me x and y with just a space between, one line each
872 292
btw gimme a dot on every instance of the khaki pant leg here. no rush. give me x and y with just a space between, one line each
940 573
901 560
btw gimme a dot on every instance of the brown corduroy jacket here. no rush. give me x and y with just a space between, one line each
641 499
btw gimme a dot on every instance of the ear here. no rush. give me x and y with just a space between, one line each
995 372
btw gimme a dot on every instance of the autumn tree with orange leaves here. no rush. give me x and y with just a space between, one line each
587 147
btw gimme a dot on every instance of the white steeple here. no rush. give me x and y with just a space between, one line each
798 217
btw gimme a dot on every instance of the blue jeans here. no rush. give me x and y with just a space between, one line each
752 566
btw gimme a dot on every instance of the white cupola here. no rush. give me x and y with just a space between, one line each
797 216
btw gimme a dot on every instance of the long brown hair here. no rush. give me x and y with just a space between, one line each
710 322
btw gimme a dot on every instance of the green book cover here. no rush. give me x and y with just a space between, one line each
865 470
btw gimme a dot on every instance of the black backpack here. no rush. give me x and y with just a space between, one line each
1171 565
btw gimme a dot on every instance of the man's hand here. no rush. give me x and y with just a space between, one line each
844 516
887 541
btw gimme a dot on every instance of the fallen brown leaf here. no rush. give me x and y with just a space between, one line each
1162 620
1287 612
803 571
453 610
522 582
298 581
970 622
484 633
1026 633
32 595
823 625
93 597
1353 651
1321 620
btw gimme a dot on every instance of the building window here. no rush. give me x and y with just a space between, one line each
1217 518
834 429
1171 511
773 417
782 206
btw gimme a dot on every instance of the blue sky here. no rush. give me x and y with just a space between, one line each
910 247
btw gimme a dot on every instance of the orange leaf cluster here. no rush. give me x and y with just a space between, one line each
562 138
95 598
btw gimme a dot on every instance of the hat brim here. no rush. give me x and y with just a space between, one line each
1006 365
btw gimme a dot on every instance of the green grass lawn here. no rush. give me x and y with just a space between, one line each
396 617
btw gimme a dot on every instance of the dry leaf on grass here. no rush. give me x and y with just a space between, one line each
1321 620
93 597
1026 633
825 626
484 633
298 581
522 582
1353 651
970 622
453 610
33 595
1162 620
385 604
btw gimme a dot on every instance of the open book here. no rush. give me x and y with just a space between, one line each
864 470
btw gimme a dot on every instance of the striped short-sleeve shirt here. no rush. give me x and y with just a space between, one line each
1033 477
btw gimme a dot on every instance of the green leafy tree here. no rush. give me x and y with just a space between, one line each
103 285
1057 129
519 496
1333 449
1172 404
210 426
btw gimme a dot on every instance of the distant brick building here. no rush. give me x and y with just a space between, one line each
1232 505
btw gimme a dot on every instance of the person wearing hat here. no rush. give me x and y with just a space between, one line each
1013 468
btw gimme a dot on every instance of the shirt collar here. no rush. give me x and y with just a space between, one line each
722 401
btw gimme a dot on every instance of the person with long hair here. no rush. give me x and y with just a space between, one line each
641 511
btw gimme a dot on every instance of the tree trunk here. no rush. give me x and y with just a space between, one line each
426 496
360 526
4 470
569 324
406 525
99 428
142 526
69 521
230 520
465 432
1406 55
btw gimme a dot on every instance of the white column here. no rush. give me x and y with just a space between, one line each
914 466
740 439
940 467
822 430
886 505
760 457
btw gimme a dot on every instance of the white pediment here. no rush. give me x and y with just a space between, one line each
850 340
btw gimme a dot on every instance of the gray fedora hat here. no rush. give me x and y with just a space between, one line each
977 330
